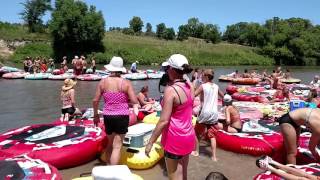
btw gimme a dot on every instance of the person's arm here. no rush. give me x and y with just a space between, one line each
314 140
141 99
133 98
95 103
164 118
198 91
220 93
227 114
72 97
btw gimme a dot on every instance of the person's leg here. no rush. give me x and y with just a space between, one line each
290 142
184 163
172 168
213 143
116 149
66 117
109 147
289 175
290 170
231 129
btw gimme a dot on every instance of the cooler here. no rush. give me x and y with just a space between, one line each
118 172
138 135
296 104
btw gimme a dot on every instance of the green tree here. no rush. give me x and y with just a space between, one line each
76 29
160 30
149 29
169 34
211 33
183 32
33 12
136 24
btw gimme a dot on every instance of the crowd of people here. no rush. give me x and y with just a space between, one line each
42 65
179 138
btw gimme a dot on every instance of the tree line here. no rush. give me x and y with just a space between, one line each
77 28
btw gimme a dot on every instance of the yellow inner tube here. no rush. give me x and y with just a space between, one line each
153 119
135 158
134 177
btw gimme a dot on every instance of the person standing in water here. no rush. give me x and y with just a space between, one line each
68 101
116 92
175 124
290 128
208 117
134 68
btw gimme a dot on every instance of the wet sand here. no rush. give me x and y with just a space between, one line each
232 165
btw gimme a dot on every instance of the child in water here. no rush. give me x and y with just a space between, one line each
68 101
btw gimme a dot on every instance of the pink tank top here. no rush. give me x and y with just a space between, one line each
115 103
179 136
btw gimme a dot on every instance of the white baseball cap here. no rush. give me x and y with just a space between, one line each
177 61
115 65
227 98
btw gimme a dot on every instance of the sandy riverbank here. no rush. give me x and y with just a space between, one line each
232 165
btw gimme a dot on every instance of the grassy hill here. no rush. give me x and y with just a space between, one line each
149 50
145 49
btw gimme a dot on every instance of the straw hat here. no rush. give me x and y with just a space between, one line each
115 65
68 84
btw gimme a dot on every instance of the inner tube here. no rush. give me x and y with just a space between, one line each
89 77
246 81
224 78
304 155
135 158
290 81
252 143
249 97
61 76
313 168
24 167
57 144
153 118
37 76
15 75
136 76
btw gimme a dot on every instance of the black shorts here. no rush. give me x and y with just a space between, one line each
116 124
172 156
69 110
239 130
287 119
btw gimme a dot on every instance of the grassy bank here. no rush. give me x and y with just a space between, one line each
17 32
149 50
146 50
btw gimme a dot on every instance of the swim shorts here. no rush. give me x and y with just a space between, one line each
172 156
116 124
287 119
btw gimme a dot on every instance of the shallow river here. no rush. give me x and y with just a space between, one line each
25 102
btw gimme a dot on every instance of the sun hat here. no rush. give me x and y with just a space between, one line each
227 98
165 63
68 84
177 61
76 57
115 65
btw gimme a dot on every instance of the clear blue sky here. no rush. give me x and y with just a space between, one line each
176 12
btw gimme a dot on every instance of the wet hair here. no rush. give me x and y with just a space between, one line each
237 71
216 176
245 70
144 89
186 69
117 73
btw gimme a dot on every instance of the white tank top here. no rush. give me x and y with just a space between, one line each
209 111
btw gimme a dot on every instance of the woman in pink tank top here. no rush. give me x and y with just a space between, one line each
116 93
175 124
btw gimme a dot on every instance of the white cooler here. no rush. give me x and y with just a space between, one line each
117 172
138 135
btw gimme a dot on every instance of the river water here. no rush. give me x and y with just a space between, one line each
25 102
